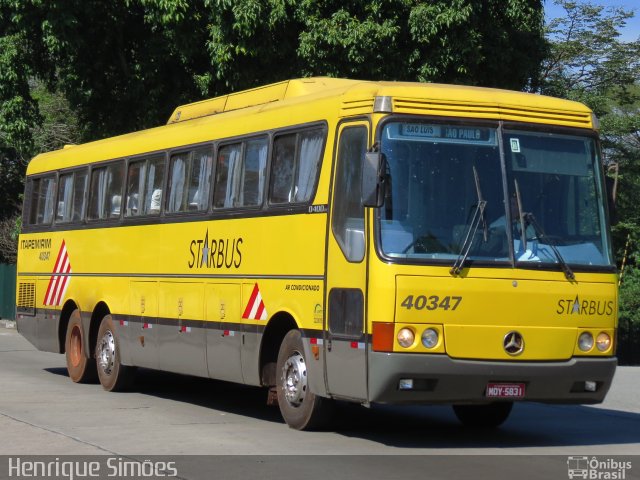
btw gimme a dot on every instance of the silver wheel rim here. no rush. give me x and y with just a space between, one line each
294 374
107 352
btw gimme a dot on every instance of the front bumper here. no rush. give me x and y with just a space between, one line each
441 379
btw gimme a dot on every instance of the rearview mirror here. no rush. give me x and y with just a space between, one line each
373 179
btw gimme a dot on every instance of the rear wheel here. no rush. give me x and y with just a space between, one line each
113 376
300 408
491 415
81 368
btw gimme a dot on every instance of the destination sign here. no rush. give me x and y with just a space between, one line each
448 133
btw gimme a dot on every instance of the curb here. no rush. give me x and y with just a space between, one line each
8 323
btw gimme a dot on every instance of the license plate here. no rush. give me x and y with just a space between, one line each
505 390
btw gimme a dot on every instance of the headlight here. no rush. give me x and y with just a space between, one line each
406 337
430 338
585 341
603 342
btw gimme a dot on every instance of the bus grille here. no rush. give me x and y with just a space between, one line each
27 298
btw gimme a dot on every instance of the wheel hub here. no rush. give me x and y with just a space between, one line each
294 373
107 352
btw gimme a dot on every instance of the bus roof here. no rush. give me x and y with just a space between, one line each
314 99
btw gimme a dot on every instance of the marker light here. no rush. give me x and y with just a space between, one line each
406 337
603 342
585 341
590 386
383 333
405 384
430 338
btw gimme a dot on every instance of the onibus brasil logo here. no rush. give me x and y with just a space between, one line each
597 469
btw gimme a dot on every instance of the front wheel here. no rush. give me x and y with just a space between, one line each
113 376
300 408
491 415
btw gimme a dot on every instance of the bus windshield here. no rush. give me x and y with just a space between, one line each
445 196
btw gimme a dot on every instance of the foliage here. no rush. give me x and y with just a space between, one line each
125 65
588 62
587 59
629 317
9 230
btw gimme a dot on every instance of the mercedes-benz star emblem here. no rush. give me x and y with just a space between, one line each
513 343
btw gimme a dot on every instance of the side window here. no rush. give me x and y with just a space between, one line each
252 172
65 198
79 197
199 180
144 187
135 189
282 169
71 198
189 181
42 202
105 199
296 162
227 177
240 174
348 213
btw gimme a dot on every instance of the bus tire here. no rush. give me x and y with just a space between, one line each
490 415
81 367
113 376
300 408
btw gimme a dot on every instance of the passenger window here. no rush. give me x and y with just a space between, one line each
189 181
135 189
71 198
43 193
253 171
144 187
296 162
348 212
227 176
105 199
240 174
65 198
79 191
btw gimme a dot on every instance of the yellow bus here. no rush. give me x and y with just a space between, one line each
334 239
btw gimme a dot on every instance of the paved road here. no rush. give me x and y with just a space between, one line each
43 412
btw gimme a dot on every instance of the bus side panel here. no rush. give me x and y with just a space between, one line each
180 336
223 331
41 329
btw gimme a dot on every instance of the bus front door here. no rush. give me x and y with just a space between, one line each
345 345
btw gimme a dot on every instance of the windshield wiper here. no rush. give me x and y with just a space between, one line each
523 227
478 216
531 220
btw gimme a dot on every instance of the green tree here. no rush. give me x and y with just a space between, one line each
589 62
125 65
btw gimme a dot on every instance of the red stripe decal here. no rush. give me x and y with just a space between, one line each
254 294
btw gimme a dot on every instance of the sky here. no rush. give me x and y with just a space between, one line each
632 29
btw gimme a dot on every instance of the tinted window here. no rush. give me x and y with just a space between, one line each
144 187
240 174
71 197
190 180
43 193
105 199
296 161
